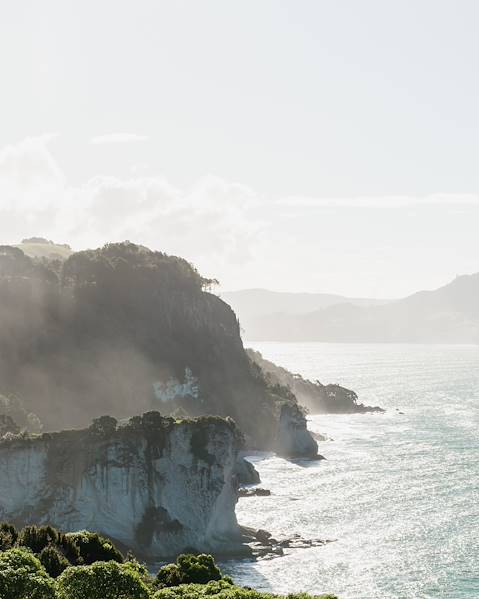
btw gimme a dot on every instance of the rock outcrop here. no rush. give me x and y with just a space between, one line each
155 485
294 440
246 473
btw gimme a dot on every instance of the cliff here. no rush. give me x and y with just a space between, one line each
314 396
123 330
156 485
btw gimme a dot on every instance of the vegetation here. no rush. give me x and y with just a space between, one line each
102 580
22 576
43 563
198 569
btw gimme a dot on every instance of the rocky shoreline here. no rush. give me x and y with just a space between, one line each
264 545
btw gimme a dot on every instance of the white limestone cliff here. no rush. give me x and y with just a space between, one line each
156 485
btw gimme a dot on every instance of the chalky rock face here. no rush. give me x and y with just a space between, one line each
157 486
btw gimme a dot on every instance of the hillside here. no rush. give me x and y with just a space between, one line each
38 247
313 395
123 330
449 314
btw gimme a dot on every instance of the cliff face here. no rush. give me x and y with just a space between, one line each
156 485
122 330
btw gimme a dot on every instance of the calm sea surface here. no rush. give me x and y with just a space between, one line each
399 492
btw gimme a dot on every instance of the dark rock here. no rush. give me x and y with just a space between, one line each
246 473
263 536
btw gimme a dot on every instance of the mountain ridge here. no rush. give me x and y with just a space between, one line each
448 314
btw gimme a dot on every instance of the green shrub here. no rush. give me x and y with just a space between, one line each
168 576
70 549
22 576
188 569
94 548
102 580
306 596
37 538
8 536
223 589
53 561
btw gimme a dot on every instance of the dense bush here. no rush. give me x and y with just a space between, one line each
22 576
8 536
103 580
223 589
85 565
94 548
56 550
37 538
53 561
189 569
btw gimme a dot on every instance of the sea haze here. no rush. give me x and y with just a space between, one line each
399 492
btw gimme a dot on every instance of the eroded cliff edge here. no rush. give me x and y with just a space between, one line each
156 485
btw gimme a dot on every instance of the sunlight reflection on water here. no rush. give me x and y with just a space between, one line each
398 492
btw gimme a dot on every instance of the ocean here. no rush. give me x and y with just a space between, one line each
398 492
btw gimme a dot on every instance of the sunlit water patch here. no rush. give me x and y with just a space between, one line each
398 492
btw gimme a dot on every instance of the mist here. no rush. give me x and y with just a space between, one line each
81 339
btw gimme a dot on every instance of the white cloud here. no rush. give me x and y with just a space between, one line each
118 138
231 232
390 201
207 223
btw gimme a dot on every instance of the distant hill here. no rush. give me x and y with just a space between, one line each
37 247
449 314
260 308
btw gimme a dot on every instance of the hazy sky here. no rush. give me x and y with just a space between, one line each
327 145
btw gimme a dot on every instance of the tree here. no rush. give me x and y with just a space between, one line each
104 426
22 576
103 580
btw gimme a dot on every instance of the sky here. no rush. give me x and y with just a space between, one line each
300 145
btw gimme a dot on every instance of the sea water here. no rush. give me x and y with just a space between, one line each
398 492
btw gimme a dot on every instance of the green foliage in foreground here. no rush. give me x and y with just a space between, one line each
57 551
22 576
103 580
198 569
222 589
42 563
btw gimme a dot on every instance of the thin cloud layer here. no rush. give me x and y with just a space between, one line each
381 201
118 138
243 238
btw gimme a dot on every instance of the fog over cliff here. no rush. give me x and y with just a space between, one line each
123 330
